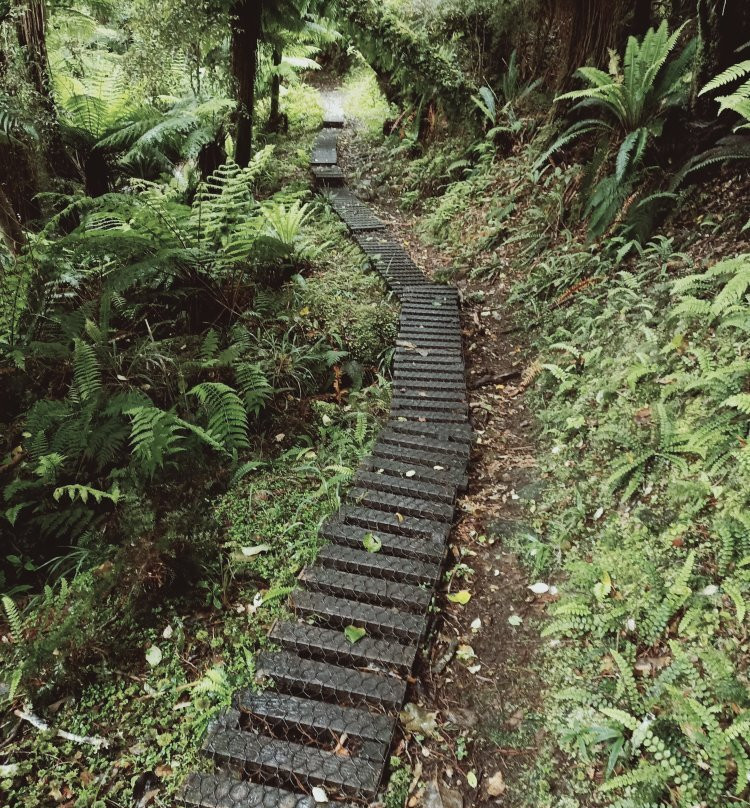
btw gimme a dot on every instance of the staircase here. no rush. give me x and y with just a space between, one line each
324 730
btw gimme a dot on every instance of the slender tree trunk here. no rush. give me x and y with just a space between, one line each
10 227
274 120
724 28
246 29
31 29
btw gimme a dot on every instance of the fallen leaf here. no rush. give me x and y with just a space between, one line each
154 656
418 719
471 779
399 517
354 634
496 785
319 794
462 597
436 795
255 550
372 543
539 588
515 620
465 653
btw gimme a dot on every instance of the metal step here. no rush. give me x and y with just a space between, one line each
441 477
278 709
387 522
395 482
375 591
378 621
336 530
286 762
424 444
332 646
307 677
202 790
402 505
381 566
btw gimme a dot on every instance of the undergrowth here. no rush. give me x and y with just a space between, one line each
639 381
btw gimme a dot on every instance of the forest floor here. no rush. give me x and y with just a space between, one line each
478 692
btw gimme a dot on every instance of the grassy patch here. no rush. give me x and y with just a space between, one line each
363 101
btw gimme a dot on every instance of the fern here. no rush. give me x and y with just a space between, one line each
86 371
155 438
227 417
253 385
14 619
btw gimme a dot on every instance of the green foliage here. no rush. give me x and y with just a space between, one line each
646 393
632 108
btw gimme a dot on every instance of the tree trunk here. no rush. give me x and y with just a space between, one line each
640 21
724 27
274 120
31 29
594 28
10 227
246 29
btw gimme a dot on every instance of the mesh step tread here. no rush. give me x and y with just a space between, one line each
403 547
417 457
289 762
422 443
431 386
426 416
377 620
354 586
425 395
395 482
441 477
292 673
316 716
425 373
203 790
455 433
326 644
425 402
378 565
400 504
390 523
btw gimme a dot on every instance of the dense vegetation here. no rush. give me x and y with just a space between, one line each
191 358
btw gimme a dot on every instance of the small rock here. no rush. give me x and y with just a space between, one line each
496 784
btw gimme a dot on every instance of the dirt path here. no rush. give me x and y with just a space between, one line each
481 686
